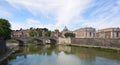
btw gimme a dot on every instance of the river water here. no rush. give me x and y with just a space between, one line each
61 55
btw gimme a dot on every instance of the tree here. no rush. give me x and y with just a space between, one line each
31 33
31 28
69 34
5 29
45 29
48 33
39 33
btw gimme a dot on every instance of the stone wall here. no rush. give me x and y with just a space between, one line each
97 42
64 40
2 46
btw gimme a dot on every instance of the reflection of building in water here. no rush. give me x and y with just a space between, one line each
64 48
86 32
47 46
108 33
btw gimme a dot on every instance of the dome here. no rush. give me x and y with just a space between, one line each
65 29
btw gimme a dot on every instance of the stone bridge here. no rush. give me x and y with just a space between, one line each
39 40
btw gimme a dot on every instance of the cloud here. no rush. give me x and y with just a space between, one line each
33 23
17 25
38 24
71 11
101 14
105 16
102 24
28 23
63 11
4 12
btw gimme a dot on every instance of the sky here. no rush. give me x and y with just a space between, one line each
56 14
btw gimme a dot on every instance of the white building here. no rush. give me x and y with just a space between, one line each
87 32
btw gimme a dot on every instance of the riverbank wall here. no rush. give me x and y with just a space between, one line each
64 41
3 48
11 49
111 43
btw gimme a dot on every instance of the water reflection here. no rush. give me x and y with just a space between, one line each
61 55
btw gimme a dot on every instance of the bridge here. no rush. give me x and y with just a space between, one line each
39 40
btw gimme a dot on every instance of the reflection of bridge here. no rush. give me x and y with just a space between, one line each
39 40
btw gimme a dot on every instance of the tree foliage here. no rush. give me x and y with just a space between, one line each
32 33
5 29
39 33
69 34
48 33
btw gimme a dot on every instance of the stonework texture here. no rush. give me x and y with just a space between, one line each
97 42
2 46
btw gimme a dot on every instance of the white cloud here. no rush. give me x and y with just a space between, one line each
108 15
28 23
18 25
63 11
114 22
37 24
33 23
69 12
72 10
4 12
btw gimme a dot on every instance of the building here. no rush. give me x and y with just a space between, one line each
87 32
108 33
65 30
20 33
56 33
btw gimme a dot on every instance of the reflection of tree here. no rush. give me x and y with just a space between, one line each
42 50
91 53
86 54
12 56
83 53
5 62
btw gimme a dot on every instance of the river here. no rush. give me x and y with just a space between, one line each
61 55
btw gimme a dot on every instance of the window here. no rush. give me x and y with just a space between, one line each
90 34
117 34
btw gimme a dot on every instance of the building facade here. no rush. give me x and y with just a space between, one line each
108 33
87 32
65 30
20 33
56 33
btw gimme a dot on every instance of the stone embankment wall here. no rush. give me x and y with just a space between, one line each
64 40
2 46
97 42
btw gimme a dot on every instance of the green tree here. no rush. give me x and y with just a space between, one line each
48 33
69 34
32 33
31 28
39 33
5 29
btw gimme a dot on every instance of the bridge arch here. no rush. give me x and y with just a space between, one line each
20 42
39 40
53 41
50 41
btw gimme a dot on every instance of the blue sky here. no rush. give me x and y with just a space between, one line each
55 14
